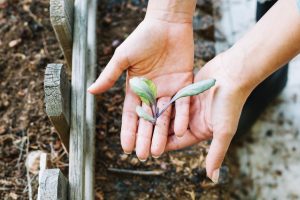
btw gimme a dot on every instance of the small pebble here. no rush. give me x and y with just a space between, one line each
14 43
123 157
134 161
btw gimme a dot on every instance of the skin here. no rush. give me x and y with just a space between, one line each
271 43
161 49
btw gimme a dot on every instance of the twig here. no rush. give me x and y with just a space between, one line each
4 189
28 175
45 45
59 156
30 181
21 150
137 172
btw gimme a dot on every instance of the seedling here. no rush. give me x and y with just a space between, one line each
147 92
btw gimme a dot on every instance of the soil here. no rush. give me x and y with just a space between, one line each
27 45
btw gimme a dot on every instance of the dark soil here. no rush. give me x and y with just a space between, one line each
27 45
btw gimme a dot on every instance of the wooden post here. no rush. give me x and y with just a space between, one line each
44 163
90 102
52 185
61 16
78 103
57 98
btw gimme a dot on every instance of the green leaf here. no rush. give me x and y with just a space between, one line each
143 114
145 89
151 86
194 89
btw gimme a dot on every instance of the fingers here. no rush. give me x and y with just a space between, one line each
144 137
110 74
176 143
129 122
160 134
216 154
182 116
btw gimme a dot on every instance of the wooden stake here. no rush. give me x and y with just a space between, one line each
57 99
90 102
78 103
61 16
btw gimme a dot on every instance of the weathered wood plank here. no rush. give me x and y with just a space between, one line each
78 103
57 99
90 102
43 166
53 185
61 16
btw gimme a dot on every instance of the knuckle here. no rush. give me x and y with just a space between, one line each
183 102
167 113
127 134
163 120
162 131
163 101
129 115
142 135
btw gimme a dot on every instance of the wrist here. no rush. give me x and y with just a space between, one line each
250 63
239 71
176 11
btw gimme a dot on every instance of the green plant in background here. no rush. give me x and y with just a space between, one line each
147 92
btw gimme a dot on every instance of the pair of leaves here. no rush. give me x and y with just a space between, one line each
147 91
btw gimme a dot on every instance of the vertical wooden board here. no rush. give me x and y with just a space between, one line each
57 99
90 102
78 103
61 16
52 185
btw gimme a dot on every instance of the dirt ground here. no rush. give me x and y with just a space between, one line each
27 45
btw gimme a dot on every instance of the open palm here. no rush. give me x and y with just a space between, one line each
163 52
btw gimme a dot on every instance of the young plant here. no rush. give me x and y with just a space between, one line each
147 92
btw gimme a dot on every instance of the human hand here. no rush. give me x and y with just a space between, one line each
161 49
215 113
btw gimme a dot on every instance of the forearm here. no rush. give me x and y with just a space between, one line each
273 41
172 10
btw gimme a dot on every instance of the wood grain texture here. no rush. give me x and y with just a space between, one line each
61 16
57 99
78 103
53 185
90 102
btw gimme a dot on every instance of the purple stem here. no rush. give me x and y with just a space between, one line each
163 110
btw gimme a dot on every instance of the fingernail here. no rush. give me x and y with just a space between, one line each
179 136
215 175
142 160
156 157
91 87
128 153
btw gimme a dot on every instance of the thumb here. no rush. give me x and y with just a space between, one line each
216 154
110 74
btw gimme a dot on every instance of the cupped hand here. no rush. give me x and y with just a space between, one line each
214 114
163 52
